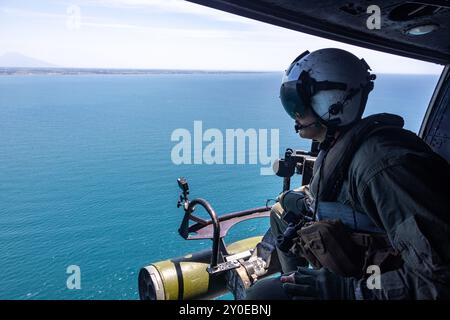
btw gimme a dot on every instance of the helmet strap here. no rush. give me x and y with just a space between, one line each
338 107
307 86
330 134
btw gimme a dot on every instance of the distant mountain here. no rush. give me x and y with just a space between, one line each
14 59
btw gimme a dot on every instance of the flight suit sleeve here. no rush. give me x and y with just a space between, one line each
407 196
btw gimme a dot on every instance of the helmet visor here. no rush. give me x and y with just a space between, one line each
291 100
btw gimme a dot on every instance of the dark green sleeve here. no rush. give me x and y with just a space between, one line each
407 195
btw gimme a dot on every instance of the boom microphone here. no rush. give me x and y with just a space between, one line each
299 127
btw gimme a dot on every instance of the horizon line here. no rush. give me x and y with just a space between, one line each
118 69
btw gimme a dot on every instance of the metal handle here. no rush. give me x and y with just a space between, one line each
216 234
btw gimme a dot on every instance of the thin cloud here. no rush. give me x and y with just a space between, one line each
174 6
163 32
205 44
98 22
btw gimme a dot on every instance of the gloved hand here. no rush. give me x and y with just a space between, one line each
321 284
293 204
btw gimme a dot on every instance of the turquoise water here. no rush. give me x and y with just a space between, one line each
86 176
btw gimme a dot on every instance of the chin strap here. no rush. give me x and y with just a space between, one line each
329 137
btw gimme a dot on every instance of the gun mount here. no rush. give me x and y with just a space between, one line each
234 267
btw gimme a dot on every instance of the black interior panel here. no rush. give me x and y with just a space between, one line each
345 21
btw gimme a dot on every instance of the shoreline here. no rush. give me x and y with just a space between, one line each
22 71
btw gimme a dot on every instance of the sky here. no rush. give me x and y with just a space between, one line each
163 34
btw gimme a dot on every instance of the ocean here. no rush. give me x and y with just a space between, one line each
87 178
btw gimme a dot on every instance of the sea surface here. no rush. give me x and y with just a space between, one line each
87 179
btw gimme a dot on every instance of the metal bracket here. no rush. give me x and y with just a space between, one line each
224 266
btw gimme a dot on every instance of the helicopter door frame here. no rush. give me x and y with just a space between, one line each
435 128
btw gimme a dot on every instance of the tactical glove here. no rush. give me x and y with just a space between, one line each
319 284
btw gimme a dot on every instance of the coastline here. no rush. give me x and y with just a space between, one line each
23 71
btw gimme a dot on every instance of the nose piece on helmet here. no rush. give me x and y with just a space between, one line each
289 69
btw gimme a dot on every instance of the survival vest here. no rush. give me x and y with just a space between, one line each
330 242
